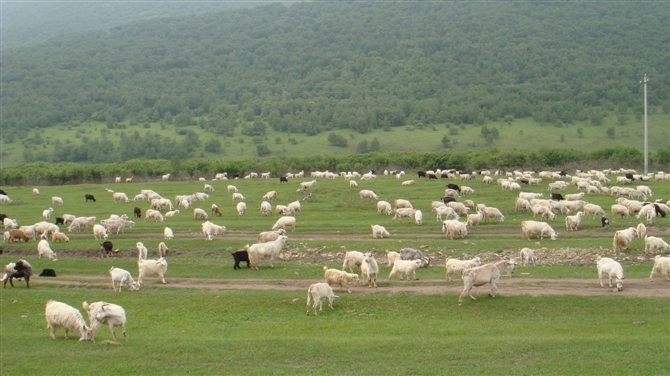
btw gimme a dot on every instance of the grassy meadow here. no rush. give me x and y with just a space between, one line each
525 132
199 330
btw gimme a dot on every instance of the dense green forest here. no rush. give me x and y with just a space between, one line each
315 68
29 22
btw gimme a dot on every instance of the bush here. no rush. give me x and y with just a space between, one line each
213 146
262 150
337 140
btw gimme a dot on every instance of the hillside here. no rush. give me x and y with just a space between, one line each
26 22
276 77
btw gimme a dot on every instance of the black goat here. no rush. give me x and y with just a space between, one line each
239 256
48 273
106 248
605 222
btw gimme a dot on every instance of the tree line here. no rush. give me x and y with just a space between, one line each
491 158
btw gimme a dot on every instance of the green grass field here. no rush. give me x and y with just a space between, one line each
211 331
522 133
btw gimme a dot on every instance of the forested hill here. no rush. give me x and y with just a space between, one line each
29 22
317 66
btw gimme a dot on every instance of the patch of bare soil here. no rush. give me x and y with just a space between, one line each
637 287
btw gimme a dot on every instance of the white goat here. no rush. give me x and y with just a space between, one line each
61 315
259 251
148 267
318 292
106 313
121 277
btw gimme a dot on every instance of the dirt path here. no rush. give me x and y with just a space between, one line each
637 287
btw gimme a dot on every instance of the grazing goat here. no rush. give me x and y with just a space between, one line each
200 214
106 248
148 267
43 249
317 292
61 315
662 266
162 250
121 277
283 222
106 313
369 269
391 257
481 275
19 269
653 244
216 211
46 272
262 250
342 278
352 259
527 255
457 266
143 253
624 238
379 231
405 266
268 236
240 256
612 268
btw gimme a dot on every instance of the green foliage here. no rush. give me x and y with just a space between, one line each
596 118
622 120
580 132
292 76
213 146
362 147
610 132
262 150
445 142
337 140
374 145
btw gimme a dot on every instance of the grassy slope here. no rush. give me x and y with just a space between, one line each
522 134
202 332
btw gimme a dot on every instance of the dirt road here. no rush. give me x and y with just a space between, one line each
638 287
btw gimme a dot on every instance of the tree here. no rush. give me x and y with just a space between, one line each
337 140
508 119
262 150
213 146
580 132
596 118
445 142
362 147
485 132
374 145
610 132
494 133
622 119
